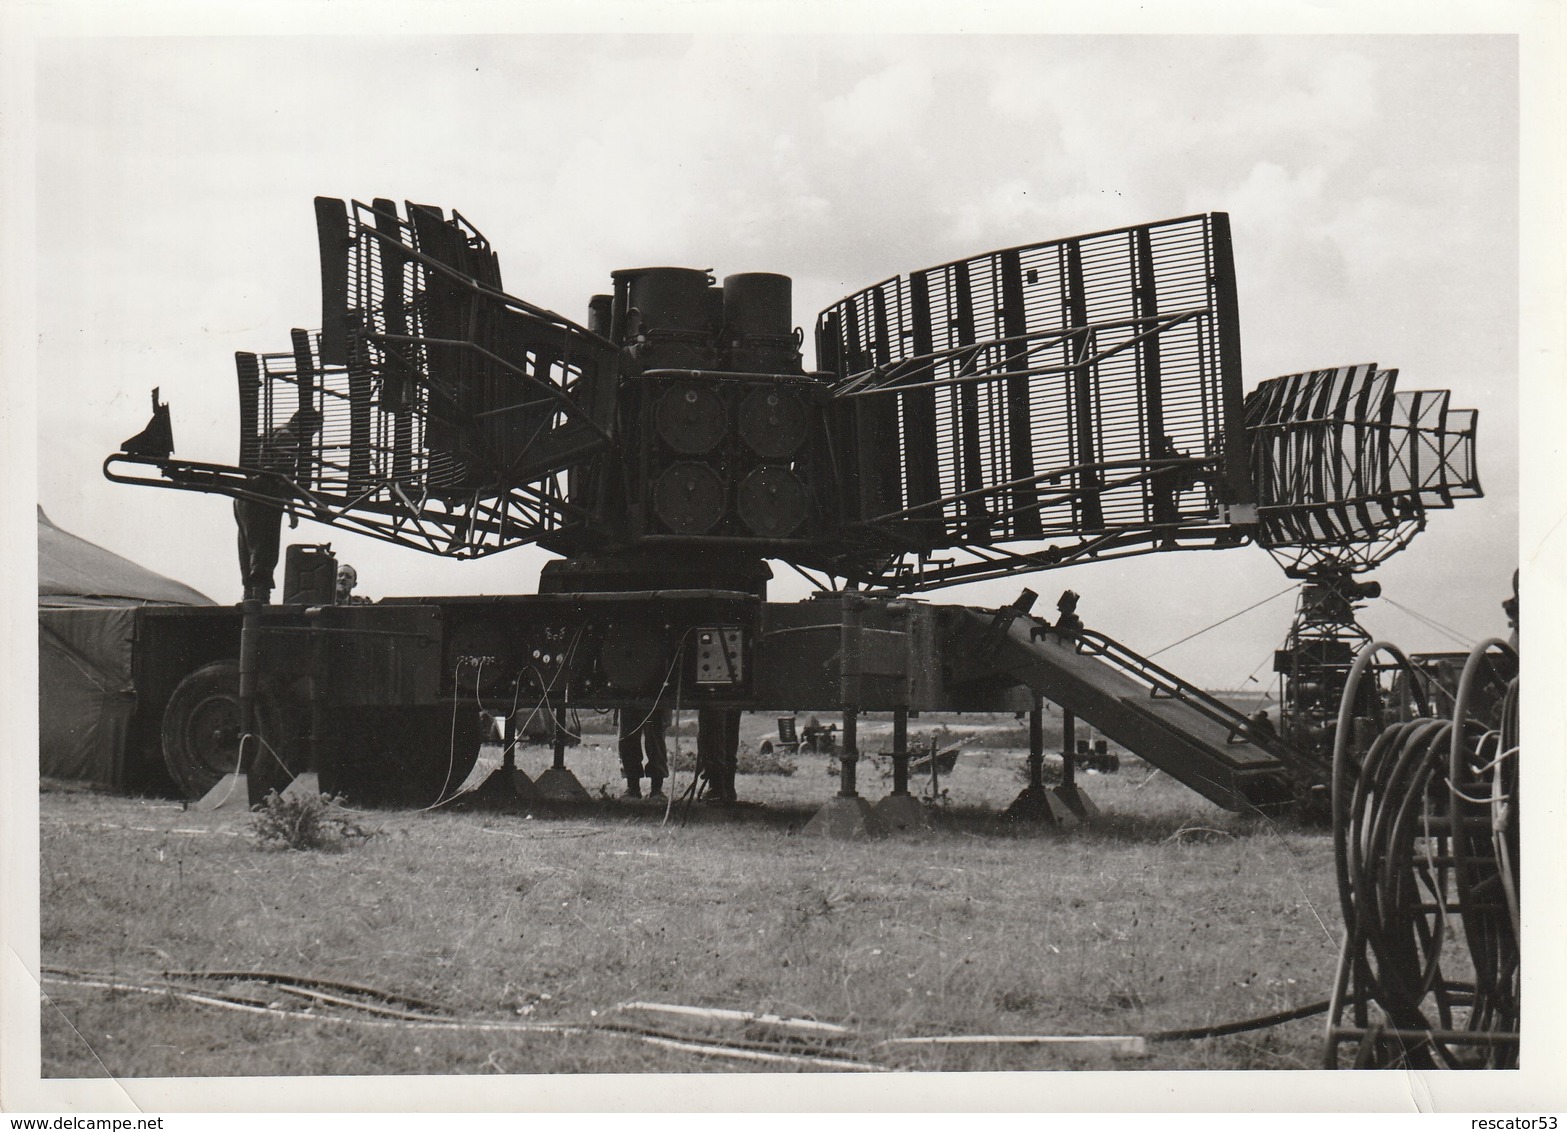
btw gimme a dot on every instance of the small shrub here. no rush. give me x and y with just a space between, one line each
754 762
1050 772
746 762
306 821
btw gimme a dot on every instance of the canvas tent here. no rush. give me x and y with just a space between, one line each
89 604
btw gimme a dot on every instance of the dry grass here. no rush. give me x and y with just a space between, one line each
1168 914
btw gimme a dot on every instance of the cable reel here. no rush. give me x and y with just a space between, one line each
1425 832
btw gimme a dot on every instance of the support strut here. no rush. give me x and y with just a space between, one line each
1035 803
848 816
1068 794
900 809
508 786
557 784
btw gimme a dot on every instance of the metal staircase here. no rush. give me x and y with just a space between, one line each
1168 722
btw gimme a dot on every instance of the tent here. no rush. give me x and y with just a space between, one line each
75 572
89 603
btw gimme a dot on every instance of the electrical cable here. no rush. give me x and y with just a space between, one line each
568 712
262 739
745 1049
669 799
1252 675
516 694
1415 828
427 1015
558 717
664 684
285 979
1198 1033
239 762
548 686
1216 624
478 695
1431 622
451 748
541 705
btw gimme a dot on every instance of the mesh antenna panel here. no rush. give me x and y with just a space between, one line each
1031 407
1347 466
1075 392
451 412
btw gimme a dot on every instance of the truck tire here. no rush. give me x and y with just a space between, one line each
401 756
201 731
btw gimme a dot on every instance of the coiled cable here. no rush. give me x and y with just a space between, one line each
1425 829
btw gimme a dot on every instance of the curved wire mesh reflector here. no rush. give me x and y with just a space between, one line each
451 413
1346 465
1077 392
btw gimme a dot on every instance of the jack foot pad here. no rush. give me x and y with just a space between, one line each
232 792
1040 806
500 790
525 789
1078 803
901 811
306 785
845 819
558 784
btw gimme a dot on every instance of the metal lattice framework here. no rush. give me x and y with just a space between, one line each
1074 392
462 399
1347 466
372 466
1032 407
445 415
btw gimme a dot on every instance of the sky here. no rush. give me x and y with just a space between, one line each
1372 184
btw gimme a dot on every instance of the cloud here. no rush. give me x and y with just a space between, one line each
885 109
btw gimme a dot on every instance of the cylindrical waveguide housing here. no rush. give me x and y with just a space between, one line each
758 323
667 315
599 308
664 299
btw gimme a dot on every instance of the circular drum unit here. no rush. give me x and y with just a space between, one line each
689 498
772 502
691 418
773 423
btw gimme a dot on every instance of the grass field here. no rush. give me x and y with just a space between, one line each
500 943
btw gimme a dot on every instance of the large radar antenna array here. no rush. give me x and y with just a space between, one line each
1038 406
